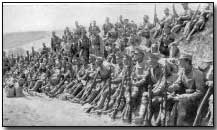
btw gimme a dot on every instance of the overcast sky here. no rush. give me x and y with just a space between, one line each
47 16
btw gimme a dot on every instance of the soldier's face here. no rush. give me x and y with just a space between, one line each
166 12
126 61
137 56
185 6
183 63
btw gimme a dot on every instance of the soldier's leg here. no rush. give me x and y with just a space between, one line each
37 85
195 28
68 86
142 109
176 28
186 112
77 90
31 85
102 99
79 95
60 90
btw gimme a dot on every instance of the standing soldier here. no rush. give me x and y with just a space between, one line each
77 31
83 45
107 26
95 38
55 42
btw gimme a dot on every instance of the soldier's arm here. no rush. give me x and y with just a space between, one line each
143 80
176 85
200 87
116 81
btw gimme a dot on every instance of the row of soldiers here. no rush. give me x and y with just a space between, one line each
124 73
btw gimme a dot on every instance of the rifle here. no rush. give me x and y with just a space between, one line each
149 112
119 97
205 98
155 15
94 80
195 14
164 101
109 93
130 93
174 11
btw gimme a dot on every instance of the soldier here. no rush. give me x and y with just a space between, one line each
146 24
95 38
83 46
165 40
183 19
107 26
145 38
132 45
167 18
77 31
199 23
55 42
151 77
94 29
190 86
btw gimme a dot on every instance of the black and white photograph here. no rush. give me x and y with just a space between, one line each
108 64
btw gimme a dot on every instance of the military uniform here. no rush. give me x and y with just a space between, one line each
190 86
107 27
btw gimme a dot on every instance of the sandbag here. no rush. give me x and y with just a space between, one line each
10 92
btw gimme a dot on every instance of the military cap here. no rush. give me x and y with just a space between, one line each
185 56
166 9
146 17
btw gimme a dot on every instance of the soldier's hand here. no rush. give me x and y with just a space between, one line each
209 83
170 96
181 97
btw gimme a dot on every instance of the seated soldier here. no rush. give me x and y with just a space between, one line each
102 86
183 19
54 78
165 40
40 80
187 90
151 77
199 22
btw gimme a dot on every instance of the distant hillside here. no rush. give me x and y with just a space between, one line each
13 40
